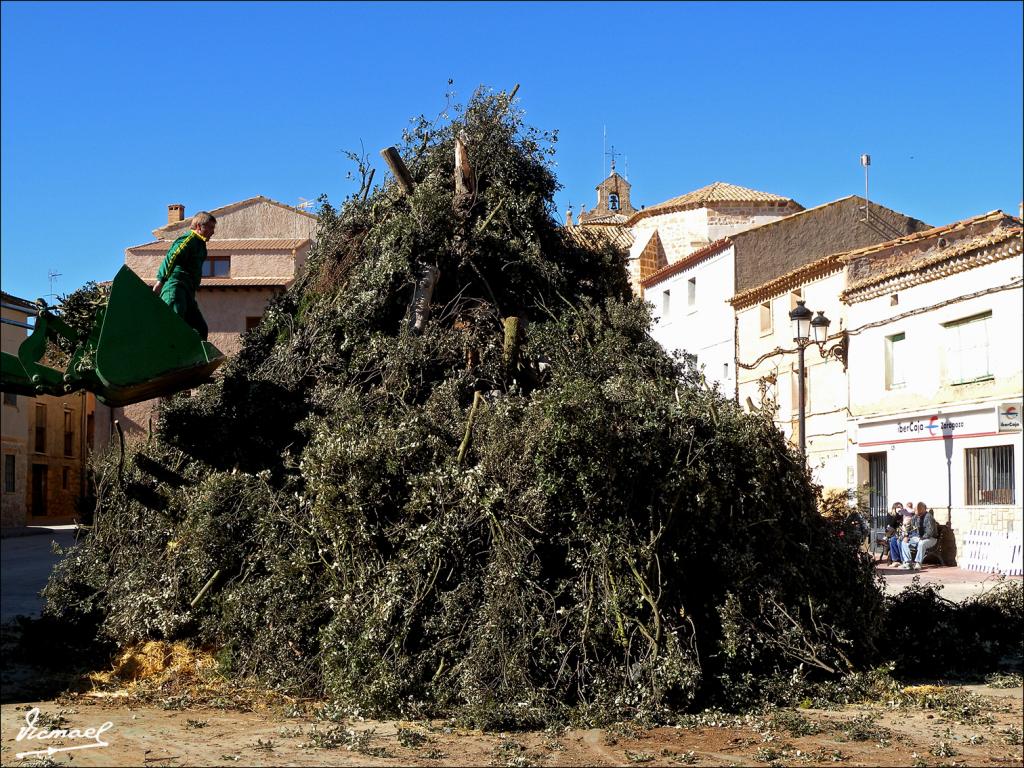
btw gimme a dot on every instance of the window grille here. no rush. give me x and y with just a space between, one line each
9 477
990 475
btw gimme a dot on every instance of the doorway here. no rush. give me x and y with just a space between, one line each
878 491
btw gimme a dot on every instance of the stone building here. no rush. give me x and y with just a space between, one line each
613 202
666 233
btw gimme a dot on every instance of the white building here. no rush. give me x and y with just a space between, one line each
935 365
684 264
692 295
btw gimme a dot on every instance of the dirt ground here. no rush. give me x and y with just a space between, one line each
855 736
163 705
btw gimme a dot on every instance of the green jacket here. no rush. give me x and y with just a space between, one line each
183 263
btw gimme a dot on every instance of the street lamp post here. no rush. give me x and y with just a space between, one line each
804 324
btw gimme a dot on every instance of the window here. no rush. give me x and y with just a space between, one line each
217 266
895 361
9 480
989 475
967 357
10 399
725 370
766 318
666 303
691 292
794 297
65 478
40 428
69 434
613 202
252 322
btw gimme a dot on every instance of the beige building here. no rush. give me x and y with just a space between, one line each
45 442
260 246
13 491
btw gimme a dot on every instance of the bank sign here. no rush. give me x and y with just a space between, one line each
934 426
1009 417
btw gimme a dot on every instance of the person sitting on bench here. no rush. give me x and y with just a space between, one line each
924 537
893 524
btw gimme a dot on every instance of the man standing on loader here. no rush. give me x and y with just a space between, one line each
179 275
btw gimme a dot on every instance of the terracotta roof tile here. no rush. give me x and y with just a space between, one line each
926 233
161 246
783 283
240 282
916 267
594 236
718 192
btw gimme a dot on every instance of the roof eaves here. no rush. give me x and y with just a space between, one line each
1002 245
923 235
689 260
799 276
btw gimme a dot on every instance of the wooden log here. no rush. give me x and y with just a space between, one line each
477 397
422 296
511 348
463 171
205 589
397 166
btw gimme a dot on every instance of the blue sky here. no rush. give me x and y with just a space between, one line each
111 111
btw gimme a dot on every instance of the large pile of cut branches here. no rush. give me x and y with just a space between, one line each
451 472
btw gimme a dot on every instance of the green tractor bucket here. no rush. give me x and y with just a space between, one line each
13 376
137 349
142 349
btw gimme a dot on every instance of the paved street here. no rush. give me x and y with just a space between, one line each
25 564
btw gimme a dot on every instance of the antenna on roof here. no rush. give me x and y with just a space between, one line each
304 204
52 275
865 160
880 225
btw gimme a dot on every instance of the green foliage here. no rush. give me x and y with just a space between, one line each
617 541
930 637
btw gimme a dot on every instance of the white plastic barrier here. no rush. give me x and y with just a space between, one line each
991 552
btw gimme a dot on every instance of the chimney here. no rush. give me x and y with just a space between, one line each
568 217
175 213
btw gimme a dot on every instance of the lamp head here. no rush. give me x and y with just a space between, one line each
801 317
819 326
